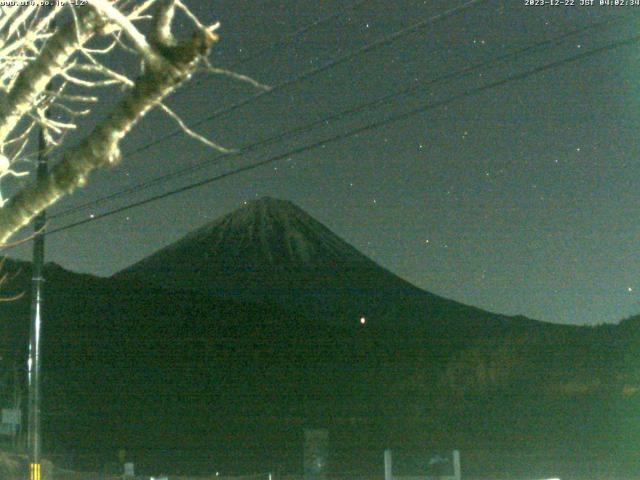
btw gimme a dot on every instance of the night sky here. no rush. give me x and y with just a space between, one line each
520 200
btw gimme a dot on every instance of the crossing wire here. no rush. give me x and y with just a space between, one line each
272 46
371 126
384 41
298 33
545 44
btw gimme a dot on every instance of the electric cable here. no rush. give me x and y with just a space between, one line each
371 126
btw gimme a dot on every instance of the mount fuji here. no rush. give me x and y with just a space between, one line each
272 250
231 341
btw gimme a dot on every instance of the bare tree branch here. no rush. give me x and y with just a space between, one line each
138 39
236 76
191 133
46 69
101 147
33 80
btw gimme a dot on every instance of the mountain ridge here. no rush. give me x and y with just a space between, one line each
271 248
142 363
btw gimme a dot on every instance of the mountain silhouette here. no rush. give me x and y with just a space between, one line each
217 351
272 250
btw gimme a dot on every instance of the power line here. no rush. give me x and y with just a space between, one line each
386 40
287 38
301 31
363 129
305 75
272 46
349 112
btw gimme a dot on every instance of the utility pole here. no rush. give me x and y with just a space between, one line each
34 437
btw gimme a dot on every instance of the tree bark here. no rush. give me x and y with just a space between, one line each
101 147
33 80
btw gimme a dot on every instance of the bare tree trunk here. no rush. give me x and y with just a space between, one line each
33 80
101 147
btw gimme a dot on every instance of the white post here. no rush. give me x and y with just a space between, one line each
388 465
129 470
457 471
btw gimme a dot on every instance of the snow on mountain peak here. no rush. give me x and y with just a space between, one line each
263 232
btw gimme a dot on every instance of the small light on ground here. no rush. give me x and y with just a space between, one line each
363 320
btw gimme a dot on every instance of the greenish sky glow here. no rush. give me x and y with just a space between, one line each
520 200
